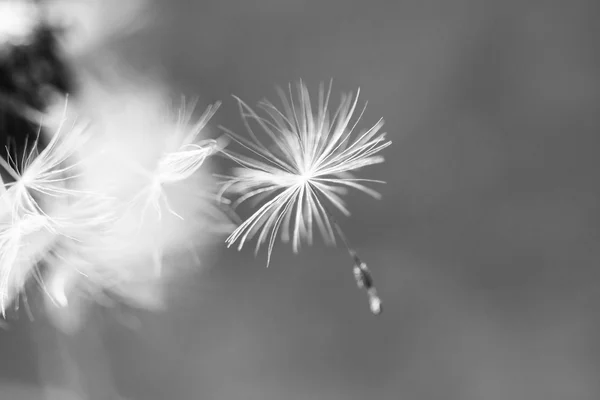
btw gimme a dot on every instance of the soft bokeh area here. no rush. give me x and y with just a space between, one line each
484 246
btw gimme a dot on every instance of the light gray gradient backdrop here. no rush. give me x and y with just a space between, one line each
484 246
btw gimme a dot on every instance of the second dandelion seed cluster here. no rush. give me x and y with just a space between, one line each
87 208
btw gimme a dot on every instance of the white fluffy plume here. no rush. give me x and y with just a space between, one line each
120 187
304 167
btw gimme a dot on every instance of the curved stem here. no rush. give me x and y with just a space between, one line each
362 274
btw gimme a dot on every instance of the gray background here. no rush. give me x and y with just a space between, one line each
484 247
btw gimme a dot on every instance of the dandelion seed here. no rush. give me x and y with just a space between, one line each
304 170
47 172
21 248
176 165
308 166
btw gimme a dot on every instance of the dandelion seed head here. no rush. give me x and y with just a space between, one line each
300 165
140 169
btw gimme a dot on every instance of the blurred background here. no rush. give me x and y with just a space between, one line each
484 246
